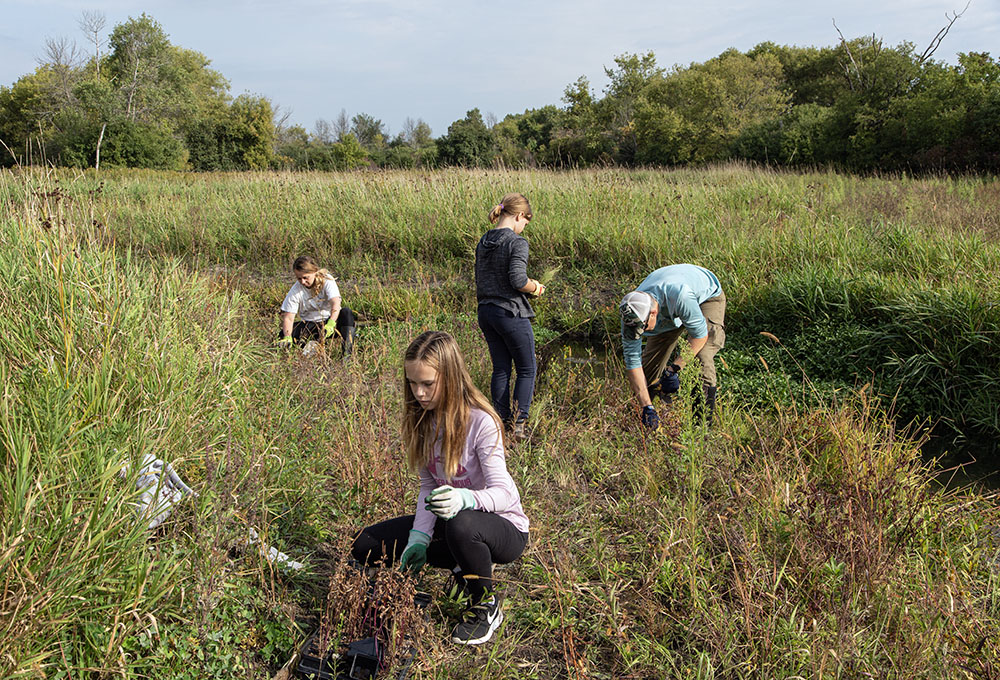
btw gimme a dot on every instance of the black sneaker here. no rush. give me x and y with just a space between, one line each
478 623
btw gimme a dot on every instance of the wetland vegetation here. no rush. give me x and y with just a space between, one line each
803 536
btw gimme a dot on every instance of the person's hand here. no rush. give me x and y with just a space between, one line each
670 382
649 417
330 328
415 553
286 341
446 501
539 289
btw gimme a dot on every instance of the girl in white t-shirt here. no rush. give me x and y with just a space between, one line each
315 297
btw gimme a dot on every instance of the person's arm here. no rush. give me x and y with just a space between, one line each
637 379
289 308
500 493
414 555
287 321
697 344
690 314
332 292
334 310
517 269
632 351
424 520
632 354
532 287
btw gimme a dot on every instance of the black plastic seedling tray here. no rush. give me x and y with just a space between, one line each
361 661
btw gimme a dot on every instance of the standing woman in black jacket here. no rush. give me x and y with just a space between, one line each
502 289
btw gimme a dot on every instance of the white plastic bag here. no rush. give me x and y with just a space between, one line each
161 488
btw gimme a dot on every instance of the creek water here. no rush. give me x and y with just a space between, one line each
589 353
965 461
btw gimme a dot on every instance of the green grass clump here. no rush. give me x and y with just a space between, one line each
800 537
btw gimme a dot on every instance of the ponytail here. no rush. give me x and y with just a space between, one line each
511 204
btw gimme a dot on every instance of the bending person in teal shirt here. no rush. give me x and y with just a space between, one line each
671 300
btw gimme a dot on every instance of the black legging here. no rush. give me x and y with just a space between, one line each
304 331
473 540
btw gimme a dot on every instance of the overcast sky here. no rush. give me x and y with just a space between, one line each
436 59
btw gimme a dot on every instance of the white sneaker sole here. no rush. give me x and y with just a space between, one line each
485 638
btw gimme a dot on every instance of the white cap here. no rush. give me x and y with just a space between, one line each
635 308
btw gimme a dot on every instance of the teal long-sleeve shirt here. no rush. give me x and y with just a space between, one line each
679 289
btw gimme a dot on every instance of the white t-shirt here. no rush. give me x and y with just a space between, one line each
309 307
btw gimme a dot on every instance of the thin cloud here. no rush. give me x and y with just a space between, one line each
436 60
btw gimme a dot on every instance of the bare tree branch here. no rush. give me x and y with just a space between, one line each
281 117
409 127
92 23
937 39
323 131
850 55
63 57
341 126
61 52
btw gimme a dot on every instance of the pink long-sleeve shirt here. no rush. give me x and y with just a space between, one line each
482 468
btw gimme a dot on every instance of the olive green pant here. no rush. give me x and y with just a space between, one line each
660 348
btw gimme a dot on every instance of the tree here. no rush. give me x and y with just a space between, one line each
143 145
696 113
349 154
251 131
799 137
341 126
323 132
580 139
138 51
629 78
92 24
526 139
469 142
416 133
369 131
63 59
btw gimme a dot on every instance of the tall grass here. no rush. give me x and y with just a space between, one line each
800 540
904 268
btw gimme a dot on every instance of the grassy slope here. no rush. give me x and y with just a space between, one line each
798 540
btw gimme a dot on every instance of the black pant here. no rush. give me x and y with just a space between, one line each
472 540
510 339
304 331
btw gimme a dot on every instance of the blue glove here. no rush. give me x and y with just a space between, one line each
415 553
649 417
446 501
670 382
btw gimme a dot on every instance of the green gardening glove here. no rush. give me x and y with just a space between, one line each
285 341
415 553
446 501
330 328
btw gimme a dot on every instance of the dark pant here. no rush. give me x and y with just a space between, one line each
473 540
304 331
510 338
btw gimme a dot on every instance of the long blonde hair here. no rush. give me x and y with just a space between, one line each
307 265
510 204
449 420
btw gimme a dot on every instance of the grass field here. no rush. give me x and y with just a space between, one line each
799 538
